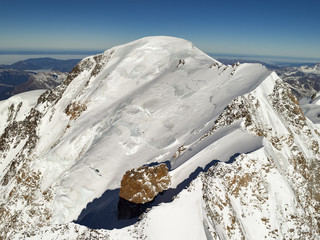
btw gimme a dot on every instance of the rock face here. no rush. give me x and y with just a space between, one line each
139 187
143 184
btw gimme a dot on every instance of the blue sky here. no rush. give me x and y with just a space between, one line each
275 28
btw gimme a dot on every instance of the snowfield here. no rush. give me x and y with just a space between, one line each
235 133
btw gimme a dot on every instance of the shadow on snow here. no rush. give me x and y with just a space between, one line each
102 212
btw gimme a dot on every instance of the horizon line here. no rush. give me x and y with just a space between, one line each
242 55
97 51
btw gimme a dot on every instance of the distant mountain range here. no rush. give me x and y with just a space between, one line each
17 81
233 61
43 63
32 74
303 79
275 63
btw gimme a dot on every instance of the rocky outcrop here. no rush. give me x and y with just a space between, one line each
139 187
143 184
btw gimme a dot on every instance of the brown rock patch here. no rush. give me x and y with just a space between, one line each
143 184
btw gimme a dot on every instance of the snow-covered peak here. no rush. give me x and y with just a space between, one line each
134 104
157 99
171 44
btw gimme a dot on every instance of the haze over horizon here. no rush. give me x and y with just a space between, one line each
268 28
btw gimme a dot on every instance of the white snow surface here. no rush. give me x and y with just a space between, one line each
153 100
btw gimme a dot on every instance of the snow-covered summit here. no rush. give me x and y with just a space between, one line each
143 100
157 99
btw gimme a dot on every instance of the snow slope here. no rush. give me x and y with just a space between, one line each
160 99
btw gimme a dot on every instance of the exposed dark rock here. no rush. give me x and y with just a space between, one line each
139 187
143 184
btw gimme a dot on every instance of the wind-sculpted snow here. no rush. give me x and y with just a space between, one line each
160 99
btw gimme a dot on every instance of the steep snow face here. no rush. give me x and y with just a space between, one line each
160 99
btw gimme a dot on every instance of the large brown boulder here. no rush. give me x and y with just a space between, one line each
143 184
